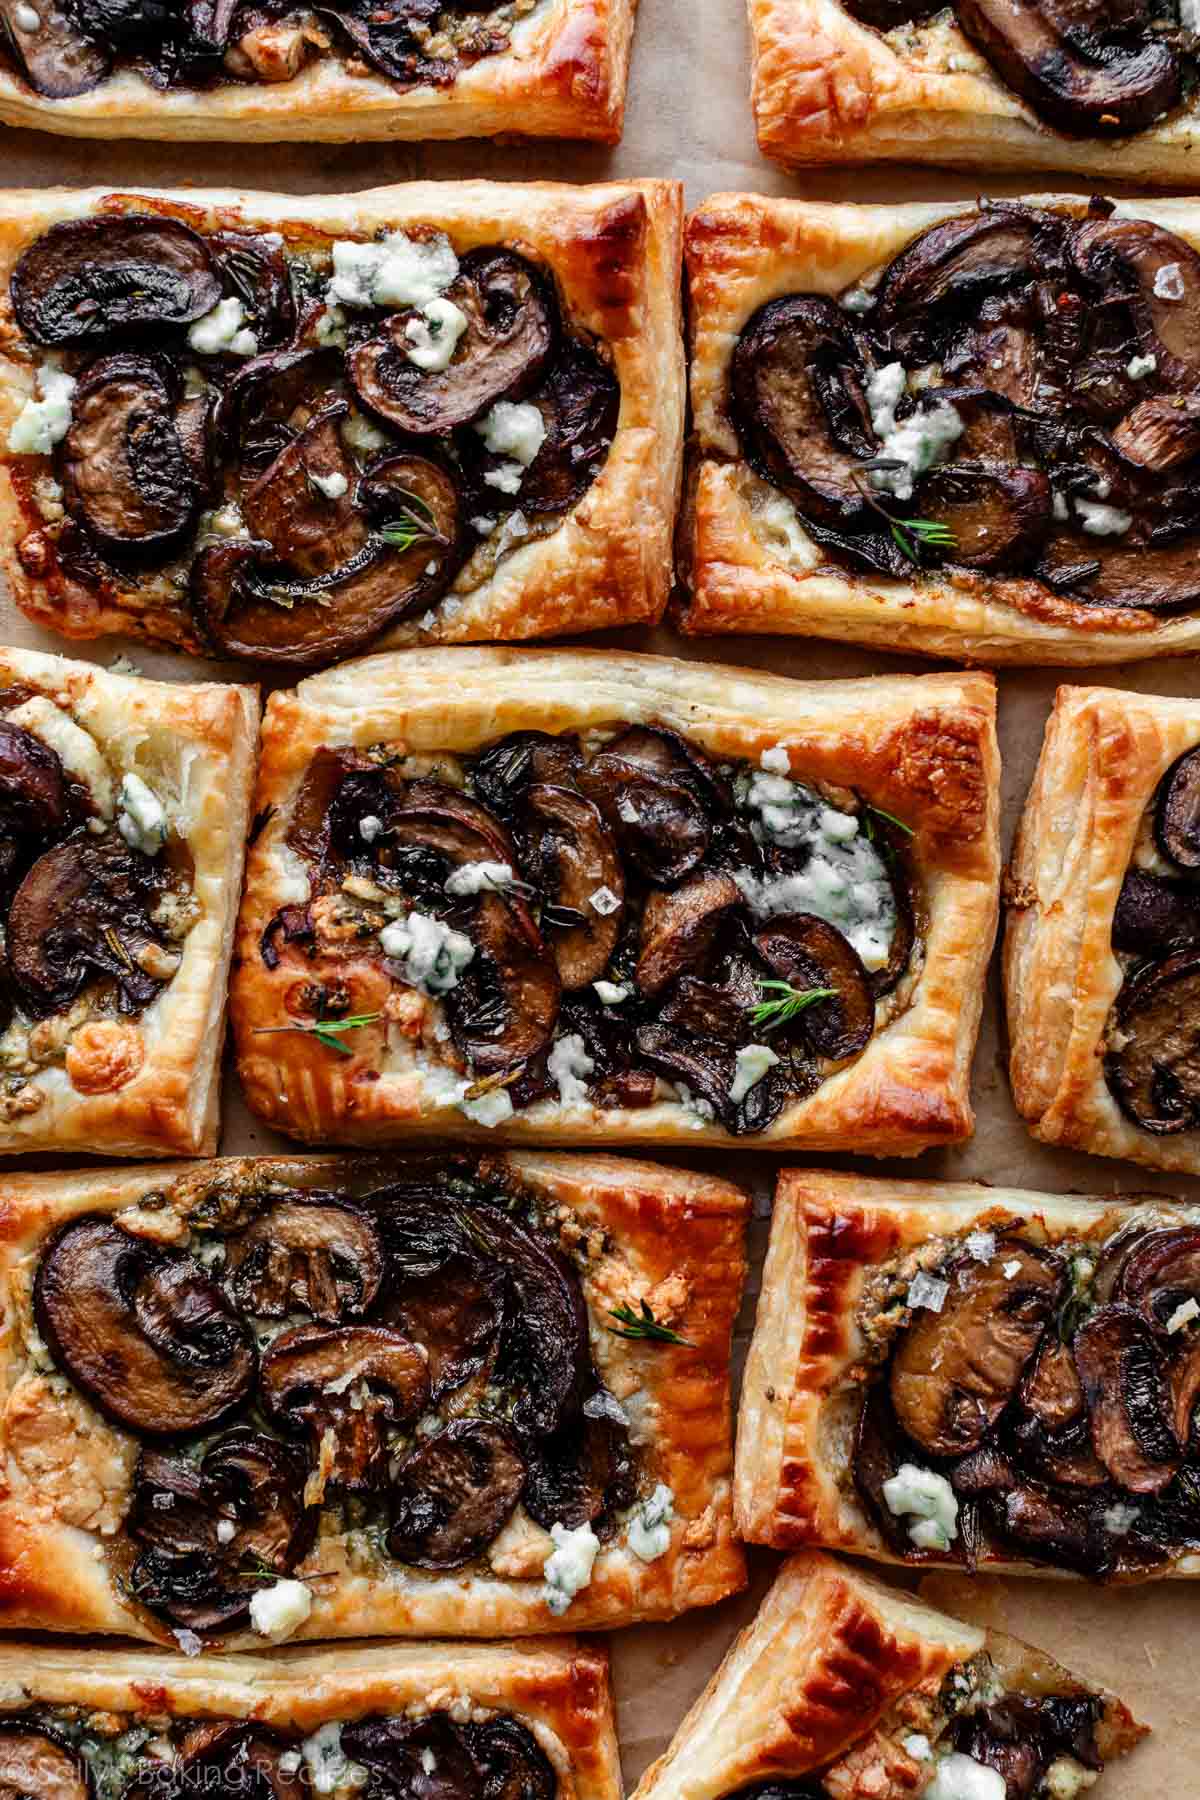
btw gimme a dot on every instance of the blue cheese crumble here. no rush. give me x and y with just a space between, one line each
142 821
44 421
649 1530
927 1501
568 1568
917 442
433 953
395 271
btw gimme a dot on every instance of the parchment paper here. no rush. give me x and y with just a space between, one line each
689 118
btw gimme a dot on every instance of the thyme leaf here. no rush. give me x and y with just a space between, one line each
643 1325
326 1030
790 1002
910 536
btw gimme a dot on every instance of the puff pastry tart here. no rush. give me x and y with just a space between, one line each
220 69
969 430
586 897
123 814
439 411
531 1721
1102 958
953 1373
1104 89
843 1689
249 1400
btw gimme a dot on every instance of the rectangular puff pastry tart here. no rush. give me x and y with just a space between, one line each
1102 954
124 806
591 898
531 1721
843 1689
1106 89
968 429
352 71
945 1373
254 426
248 1400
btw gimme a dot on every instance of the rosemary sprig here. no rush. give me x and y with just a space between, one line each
878 813
326 1030
644 1325
791 1001
416 521
931 534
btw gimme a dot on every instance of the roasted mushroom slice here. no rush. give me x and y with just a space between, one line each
304 504
1124 571
513 1764
1050 1389
254 266
1160 434
271 397
237 1762
584 1475
505 1006
1052 1528
679 927
36 1764
949 269
434 818
508 336
1160 1271
384 35
56 58
87 278
954 1371
1124 1378
705 1070
454 1312
1153 1063
796 393
814 957
454 1494
34 799
1158 275
581 873
142 1330
996 516
125 474
1177 812
660 798
880 1450
1155 915
1118 87
506 770
306 1254
545 1347
344 1388
580 403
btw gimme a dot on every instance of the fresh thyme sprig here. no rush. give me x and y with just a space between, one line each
643 1325
326 1030
878 813
791 1001
931 534
416 521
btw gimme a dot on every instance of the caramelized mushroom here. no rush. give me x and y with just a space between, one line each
1160 1271
995 515
306 1254
271 397
238 1762
580 402
34 799
1052 1528
86 278
296 506
1124 1382
141 1330
56 58
812 954
584 1475
545 1348
36 1764
454 1312
505 1006
505 771
879 1451
436 818
1160 434
1124 258
1155 915
678 928
658 795
1177 813
345 1385
1123 571
578 861
1050 1387
253 267
954 1371
513 1764
454 1493
796 394
125 475
1153 1066
952 267
509 335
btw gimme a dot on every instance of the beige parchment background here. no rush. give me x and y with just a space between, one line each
689 118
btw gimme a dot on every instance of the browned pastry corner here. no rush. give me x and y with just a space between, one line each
570 896
441 412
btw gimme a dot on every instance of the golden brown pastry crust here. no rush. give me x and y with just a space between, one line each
150 1085
827 89
1103 756
795 1439
742 251
676 1238
565 76
614 251
558 1688
923 748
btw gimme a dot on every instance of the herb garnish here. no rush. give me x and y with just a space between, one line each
791 1001
325 1030
931 534
632 1325
416 521
878 812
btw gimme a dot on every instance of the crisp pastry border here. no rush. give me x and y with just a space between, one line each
565 76
820 1672
1103 755
827 89
559 1688
614 250
793 1485
742 250
677 1237
923 747
201 739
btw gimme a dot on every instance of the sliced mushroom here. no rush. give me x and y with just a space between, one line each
503 773
508 337
954 1371
56 58
578 861
1155 915
504 1009
344 1388
34 799
996 516
812 954
238 1762
454 1312
1177 812
385 36
1052 1528
441 820
879 1450
272 397
513 1763
545 1347
1123 258
580 403
679 927
1153 1066
296 506
659 797
36 1764
950 269
585 1475
454 1494
142 1330
255 268
796 394
1160 1271
196 424
1124 1380
706 1069
702 1009
245 610
1050 1387
306 1254
1160 434
87 278
1123 571
1119 87
125 475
